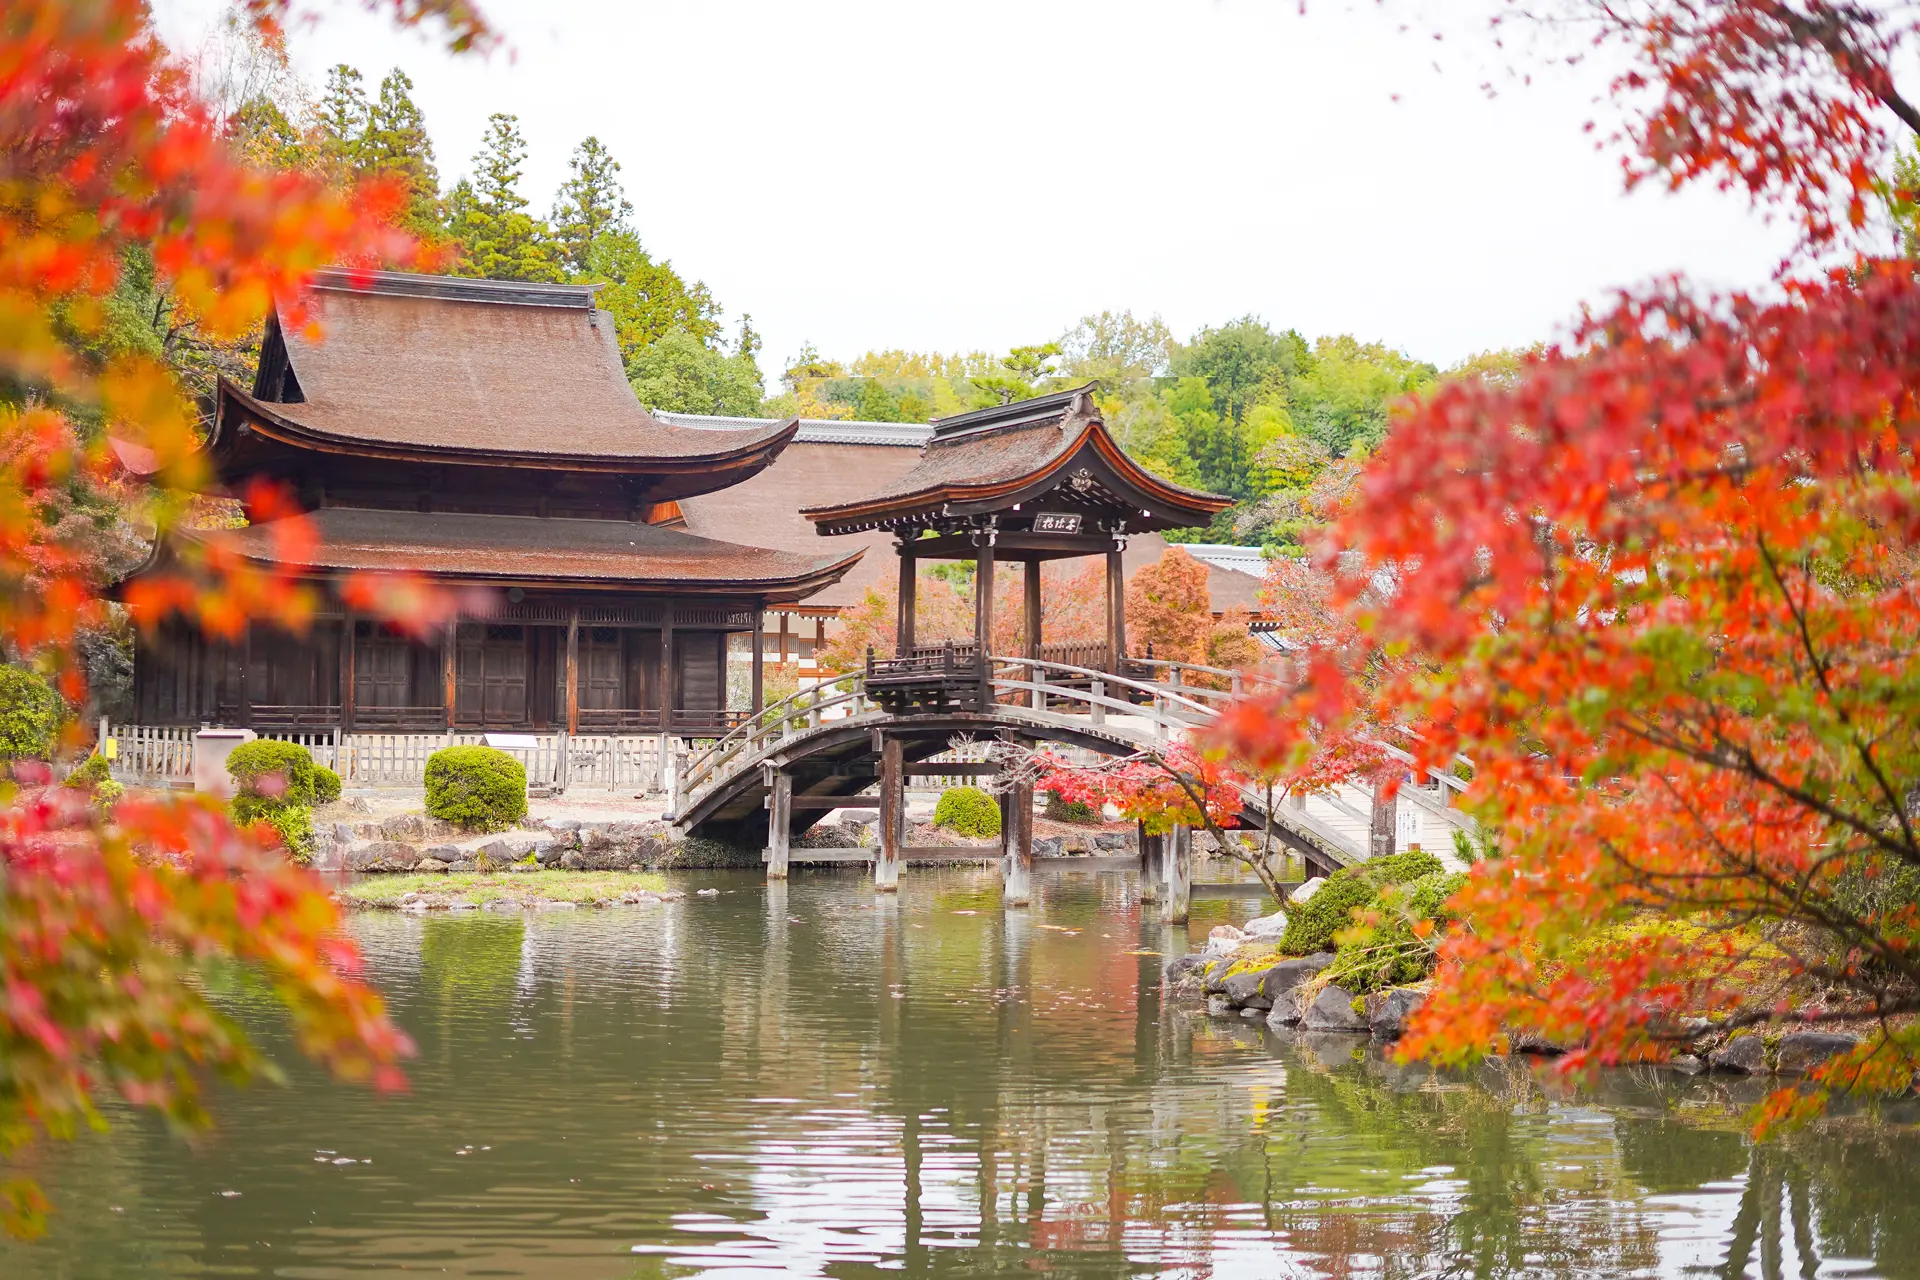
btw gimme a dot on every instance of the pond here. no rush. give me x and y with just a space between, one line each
811 1080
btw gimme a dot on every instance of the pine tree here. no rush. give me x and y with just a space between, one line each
396 145
499 239
342 122
591 201
649 299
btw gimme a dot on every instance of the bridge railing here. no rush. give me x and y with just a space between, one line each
796 713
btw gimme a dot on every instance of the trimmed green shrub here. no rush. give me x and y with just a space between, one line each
293 823
967 811
89 774
106 794
1398 868
1070 810
326 785
479 788
1391 955
1312 924
252 764
30 714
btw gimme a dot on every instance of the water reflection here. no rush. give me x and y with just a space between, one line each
807 1078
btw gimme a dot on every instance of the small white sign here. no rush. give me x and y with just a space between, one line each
512 741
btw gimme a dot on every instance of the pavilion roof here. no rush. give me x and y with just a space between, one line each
993 459
434 368
507 550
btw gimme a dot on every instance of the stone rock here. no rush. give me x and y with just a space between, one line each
1306 891
1111 842
342 834
573 860
387 866
444 852
1267 926
388 852
1219 1007
548 852
563 824
1528 1041
672 895
1247 989
357 804
1289 1006
707 893
521 868
1213 978
464 864
1224 940
860 817
1388 1011
1078 842
1181 967
1686 1064
497 851
1802 1051
1049 847
404 826
430 866
1746 1055
1284 986
1332 1010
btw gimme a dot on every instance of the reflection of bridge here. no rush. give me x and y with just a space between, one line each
854 741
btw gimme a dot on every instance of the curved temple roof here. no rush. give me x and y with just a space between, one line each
995 458
434 368
488 549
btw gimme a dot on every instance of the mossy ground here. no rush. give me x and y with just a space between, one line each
480 888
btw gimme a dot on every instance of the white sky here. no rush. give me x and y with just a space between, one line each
946 176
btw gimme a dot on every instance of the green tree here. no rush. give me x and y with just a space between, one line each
1113 348
499 239
679 373
1020 374
647 299
342 122
1242 362
1343 397
396 145
591 203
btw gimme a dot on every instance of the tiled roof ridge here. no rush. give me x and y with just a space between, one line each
407 284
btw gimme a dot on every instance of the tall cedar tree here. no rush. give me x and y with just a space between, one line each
395 146
591 203
110 921
499 239
1662 580
342 122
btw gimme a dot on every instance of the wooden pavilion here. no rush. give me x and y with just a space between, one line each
1029 482
478 434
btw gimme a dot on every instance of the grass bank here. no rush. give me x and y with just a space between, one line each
478 888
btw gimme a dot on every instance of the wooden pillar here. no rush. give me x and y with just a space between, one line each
779 822
1383 831
1177 850
246 677
347 628
1032 585
909 602
1116 612
667 694
784 617
983 614
573 670
759 660
1019 888
1150 872
893 816
450 668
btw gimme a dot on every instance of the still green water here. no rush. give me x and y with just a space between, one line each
809 1080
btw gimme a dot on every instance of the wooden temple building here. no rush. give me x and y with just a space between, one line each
480 435
1026 483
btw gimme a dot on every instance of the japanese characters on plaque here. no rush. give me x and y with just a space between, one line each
1056 522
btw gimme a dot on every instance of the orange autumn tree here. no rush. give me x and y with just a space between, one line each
107 919
1663 585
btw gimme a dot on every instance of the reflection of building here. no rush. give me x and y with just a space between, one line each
478 434
834 461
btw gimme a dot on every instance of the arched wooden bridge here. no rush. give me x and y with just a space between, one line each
853 741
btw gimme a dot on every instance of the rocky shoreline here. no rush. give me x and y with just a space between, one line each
1240 976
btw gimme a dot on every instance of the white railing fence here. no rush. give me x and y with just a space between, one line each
163 755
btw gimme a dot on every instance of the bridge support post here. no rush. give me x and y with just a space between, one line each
893 817
1150 874
779 823
1178 883
1016 837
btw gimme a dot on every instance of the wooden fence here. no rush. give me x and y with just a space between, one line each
151 756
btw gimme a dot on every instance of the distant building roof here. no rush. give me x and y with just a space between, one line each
993 460
1225 555
433 368
814 430
467 548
